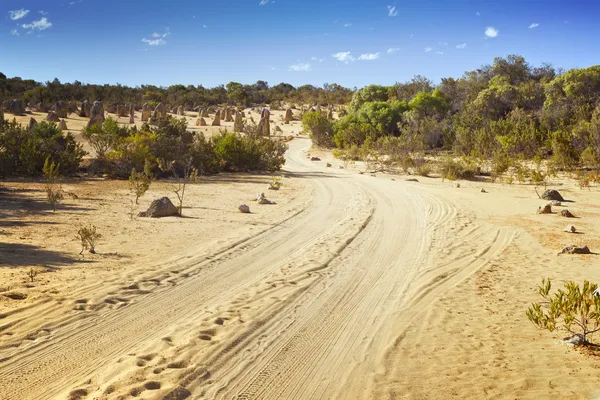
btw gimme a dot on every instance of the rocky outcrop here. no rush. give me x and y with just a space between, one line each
289 116
576 250
265 124
547 209
552 194
217 120
160 208
16 107
238 123
96 114
52 117
63 125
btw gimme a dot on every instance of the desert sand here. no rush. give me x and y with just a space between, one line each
352 286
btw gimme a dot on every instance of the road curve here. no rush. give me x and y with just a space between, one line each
311 309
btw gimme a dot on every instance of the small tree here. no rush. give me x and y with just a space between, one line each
319 128
577 308
139 182
89 237
190 175
53 189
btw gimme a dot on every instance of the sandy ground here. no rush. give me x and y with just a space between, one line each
352 286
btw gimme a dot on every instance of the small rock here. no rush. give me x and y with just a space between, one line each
555 203
457 185
328 165
341 167
575 340
261 199
576 250
552 194
566 214
483 190
315 159
244 209
412 180
570 229
547 209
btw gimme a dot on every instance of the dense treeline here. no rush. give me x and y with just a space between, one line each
234 93
505 111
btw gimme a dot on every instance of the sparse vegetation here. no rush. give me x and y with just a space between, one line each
139 182
54 192
88 237
576 308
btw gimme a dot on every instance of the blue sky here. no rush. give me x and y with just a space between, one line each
353 43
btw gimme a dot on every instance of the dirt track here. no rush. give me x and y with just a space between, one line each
314 307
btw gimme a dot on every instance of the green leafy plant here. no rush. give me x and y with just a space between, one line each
275 183
89 237
139 182
54 192
576 309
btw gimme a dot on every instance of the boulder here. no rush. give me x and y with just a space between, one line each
217 120
483 190
32 124
16 107
201 122
238 123
328 165
159 208
52 117
244 209
552 194
85 109
570 229
228 117
289 116
566 214
63 125
576 250
61 109
96 114
265 124
547 209
146 114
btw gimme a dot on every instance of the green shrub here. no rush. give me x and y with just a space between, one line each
319 128
457 169
577 308
24 152
243 153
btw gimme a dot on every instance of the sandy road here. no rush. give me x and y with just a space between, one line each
312 308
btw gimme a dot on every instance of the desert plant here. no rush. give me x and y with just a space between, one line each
53 188
276 183
139 182
32 274
423 168
319 128
456 169
89 237
190 175
577 308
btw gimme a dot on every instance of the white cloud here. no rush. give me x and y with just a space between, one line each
154 42
204 26
491 32
156 35
393 50
534 25
347 25
40 25
300 67
263 2
313 58
428 49
478 13
15 32
344 56
18 14
392 12
43 12
369 56
439 52
461 46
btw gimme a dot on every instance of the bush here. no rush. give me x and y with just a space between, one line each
319 128
24 152
457 169
88 237
243 153
577 308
